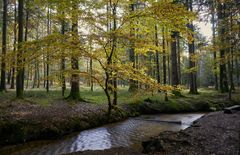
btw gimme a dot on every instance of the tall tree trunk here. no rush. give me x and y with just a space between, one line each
157 57
44 71
25 39
114 46
164 62
91 73
36 65
63 81
237 71
230 74
20 71
179 59
9 76
214 52
35 74
14 45
230 55
75 90
38 75
192 63
132 83
175 80
49 32
4 46
221 31
164 58
168 63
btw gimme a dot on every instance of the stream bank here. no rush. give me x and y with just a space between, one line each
25 120
128 134
216 133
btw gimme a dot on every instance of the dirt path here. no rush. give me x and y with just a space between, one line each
216 133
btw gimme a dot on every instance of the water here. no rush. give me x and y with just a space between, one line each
130 132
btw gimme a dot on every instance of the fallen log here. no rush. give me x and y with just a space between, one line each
232 109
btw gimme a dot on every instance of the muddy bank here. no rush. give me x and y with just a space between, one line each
21 121
216 133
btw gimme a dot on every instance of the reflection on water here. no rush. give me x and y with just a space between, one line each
127 133
94 139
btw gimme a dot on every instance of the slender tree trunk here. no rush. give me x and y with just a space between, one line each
214 52
175 80
114 46
106 90
4 47
9 76
38 75
35 74
27 77
49 32
91 73
164 63
20 71
44 71
168 64
237 72
164 59
25 39
157 56
230 72
63 81
132 83
179 59
231 50
36 65
230 55
14 45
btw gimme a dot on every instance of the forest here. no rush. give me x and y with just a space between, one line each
73 65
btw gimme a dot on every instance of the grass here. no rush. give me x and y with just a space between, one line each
41 97
207 97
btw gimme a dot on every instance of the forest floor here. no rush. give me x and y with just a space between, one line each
42 115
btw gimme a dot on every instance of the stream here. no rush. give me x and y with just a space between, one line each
128 133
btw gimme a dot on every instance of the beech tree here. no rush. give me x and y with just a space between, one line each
191 49
4 46
142 44
20 70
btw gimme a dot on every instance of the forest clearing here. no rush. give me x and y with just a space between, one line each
119 77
